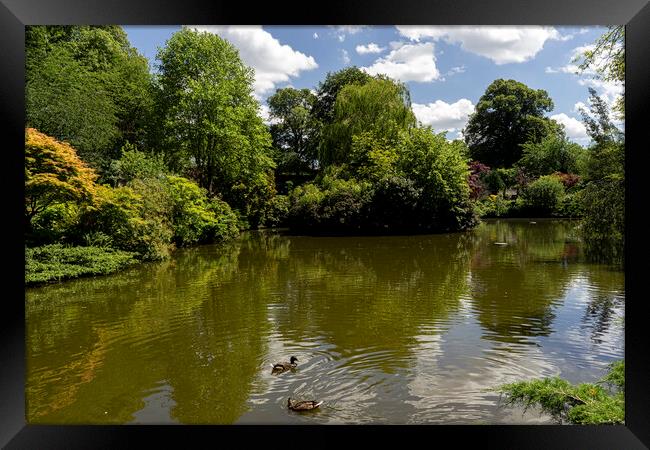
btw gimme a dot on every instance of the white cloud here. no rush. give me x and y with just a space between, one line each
349 29
574 128
345 56
609 91
444 116
502 44
409 62
370 48
571 66
315 35
342 30
455 70
566 37
273 62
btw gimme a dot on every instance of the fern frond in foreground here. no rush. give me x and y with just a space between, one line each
585 403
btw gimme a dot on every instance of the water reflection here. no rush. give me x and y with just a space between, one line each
409 329
516 286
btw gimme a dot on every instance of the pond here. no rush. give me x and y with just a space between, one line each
387 330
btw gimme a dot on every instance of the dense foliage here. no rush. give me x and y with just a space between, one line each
294 129
508 115
416 183
87 86
543 196
142 162
585 403
603 226
554 153
54 174
145 214
210 120
381 107
329 89
56 262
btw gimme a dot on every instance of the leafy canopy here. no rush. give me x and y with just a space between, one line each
88 86
381 106
508 115
212 127
294 131
554 153
329 89
53 174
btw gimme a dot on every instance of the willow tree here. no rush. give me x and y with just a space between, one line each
329 89
381 107
210 118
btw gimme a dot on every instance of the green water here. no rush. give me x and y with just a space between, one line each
401 329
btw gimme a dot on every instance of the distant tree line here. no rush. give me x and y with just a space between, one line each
123 158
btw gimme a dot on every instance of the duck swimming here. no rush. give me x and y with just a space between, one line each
284 366
303 405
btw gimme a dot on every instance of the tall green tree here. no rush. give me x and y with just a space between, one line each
439 168
72 104
329 89
603 199
381 107
508 115
294 130
210 119
88 86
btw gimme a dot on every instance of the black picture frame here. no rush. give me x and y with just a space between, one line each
635 14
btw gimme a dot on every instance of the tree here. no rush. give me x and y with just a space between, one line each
210 118
53 174
439 168
554 153
294 132
71 104
603 198
508 115
381 107
329 89
600 127
87 85
134 164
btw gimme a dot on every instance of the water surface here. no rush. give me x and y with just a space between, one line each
398 330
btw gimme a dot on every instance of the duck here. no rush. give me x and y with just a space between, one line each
284 366
304 405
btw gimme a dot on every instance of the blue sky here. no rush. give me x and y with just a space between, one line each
446 68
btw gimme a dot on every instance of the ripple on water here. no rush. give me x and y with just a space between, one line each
411 329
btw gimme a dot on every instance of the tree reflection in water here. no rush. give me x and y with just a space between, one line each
387 329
